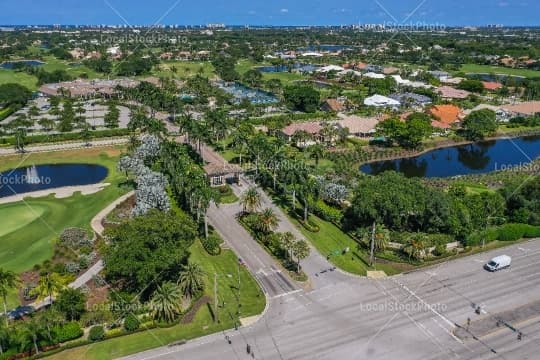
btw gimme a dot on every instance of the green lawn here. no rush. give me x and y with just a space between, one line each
285 77
18 77
185 69
474 68
228 197
31 228
51 64
226 266
330 240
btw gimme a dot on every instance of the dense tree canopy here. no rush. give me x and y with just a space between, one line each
148 250
480 123
408 134
14 94
302 98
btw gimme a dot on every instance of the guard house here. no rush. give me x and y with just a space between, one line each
218 171
222 174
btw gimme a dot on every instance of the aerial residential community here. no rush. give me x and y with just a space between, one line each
270 180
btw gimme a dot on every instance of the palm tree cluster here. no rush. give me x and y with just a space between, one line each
188 181
166 302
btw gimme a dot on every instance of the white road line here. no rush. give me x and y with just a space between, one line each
286 294
413 294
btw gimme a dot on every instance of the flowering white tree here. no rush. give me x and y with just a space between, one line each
149 147
151 186
332 192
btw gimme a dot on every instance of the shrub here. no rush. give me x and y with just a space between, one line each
310 226
74 238
97 333
67 332
512 232
327 212
72 268
532 232
211 245
131 323
439 239
440 250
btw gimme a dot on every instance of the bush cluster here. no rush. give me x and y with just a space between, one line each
97 333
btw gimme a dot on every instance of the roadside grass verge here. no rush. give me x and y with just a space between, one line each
226 265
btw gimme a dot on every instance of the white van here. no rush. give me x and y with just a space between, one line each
498 263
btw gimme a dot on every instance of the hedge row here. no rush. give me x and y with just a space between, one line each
50 138
513 232
507 232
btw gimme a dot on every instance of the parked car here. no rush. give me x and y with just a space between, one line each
20 312
498 263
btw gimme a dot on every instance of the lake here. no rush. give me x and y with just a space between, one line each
42 177
13 64
478 158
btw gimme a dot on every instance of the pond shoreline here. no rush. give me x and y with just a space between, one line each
452 143
60 192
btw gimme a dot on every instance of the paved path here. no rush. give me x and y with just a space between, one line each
96 222
98 266
65 146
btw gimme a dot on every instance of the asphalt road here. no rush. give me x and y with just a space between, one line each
406 317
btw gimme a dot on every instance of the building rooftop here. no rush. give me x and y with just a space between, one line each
309 127
526 108
447 114
449 92
359 125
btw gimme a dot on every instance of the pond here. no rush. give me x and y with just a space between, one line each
286 68
42 177
478 158
255 96
15 64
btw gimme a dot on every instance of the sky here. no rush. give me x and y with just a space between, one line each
434 13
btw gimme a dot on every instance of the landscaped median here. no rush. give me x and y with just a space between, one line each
339 248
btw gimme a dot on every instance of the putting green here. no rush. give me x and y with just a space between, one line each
17 216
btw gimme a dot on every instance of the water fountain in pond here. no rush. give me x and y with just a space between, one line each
32 176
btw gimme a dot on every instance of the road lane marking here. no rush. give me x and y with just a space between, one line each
413 294
286 294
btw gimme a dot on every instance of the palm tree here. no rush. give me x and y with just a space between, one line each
5 334
191 280
316 151
33 330
381 238
415 246
268 221
50 318
8 280
46 123
300 251
20 138
251 200
48 286
287 242
165 302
